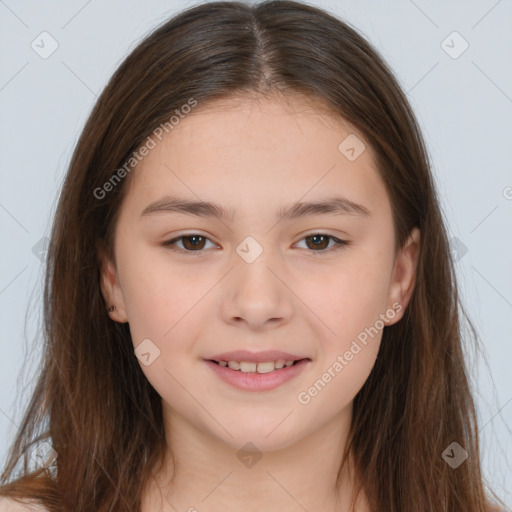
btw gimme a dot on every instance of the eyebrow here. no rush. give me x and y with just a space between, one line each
332 205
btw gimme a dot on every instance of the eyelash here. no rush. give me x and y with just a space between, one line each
339 244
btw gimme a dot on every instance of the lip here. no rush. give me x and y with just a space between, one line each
256 357
253 381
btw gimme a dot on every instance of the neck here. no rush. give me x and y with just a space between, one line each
210 475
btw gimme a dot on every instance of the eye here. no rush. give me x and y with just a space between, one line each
191 243
318 242
196 242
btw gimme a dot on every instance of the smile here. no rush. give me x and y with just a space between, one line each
251 367
251 376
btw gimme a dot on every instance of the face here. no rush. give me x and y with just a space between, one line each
318 283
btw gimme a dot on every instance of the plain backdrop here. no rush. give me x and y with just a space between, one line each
453 59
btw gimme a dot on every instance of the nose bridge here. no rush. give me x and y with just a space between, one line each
255 294
254 260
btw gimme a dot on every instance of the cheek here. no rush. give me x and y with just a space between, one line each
347 298
349 306
159 297
163 305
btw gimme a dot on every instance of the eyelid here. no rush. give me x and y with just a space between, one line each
338 242
171 243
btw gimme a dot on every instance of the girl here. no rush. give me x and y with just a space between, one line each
250 301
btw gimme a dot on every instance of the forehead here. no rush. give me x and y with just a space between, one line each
254 151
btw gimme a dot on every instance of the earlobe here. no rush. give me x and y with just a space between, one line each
110 288
404 274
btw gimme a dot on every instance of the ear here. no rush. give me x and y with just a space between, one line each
110 287
404 276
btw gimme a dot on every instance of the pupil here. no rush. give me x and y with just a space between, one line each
318 242
195 243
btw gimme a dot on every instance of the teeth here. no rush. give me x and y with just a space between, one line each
266 367
248 367
234 365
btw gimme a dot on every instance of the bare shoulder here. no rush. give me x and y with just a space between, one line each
11 505
490 508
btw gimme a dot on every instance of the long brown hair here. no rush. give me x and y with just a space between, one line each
92 403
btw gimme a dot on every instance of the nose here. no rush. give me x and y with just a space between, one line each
256 295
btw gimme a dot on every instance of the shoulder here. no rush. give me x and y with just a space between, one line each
490 508
11 505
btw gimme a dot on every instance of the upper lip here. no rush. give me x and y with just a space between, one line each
256 357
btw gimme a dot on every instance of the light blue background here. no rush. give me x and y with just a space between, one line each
464 106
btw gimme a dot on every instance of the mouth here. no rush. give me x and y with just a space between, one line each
253 367
257 377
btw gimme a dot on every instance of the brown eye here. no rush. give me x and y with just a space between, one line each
190 243
319 243
193 242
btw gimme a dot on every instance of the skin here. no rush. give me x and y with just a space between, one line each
256 156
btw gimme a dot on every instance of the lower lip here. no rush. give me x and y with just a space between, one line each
254 381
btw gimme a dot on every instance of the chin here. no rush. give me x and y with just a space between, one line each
253 440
